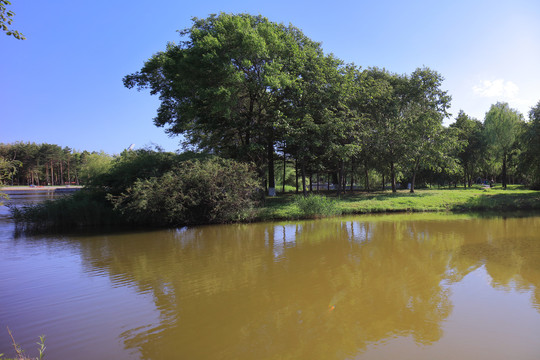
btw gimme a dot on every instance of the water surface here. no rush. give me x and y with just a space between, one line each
374 287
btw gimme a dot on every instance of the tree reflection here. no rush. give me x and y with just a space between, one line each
310 290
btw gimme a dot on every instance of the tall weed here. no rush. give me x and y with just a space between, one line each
317 205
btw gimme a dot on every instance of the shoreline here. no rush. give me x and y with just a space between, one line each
65 188
87 211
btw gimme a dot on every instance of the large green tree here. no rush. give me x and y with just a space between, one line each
383 103
469 135
226 84
502 127
425 106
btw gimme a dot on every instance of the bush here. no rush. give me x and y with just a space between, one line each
317 205
196 192
152 188
132 165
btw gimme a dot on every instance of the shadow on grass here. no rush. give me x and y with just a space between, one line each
502 202
383 196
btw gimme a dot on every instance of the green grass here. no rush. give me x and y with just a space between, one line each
459 200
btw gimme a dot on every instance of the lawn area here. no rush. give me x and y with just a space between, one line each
458 200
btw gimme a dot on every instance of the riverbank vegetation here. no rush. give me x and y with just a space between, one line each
211 191
151 188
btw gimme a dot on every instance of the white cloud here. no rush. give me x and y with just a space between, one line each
496 88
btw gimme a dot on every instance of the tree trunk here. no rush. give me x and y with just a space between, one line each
284 168
328 182
393 176
382 182
352 176
61 173
310 182
366 173
304 179
415 169
504 172
340 179
271 170
296 173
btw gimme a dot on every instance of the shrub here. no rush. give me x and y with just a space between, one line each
132 165
317 205
196 192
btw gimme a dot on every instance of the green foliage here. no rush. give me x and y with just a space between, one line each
84 208
133 165
196 192
502 128
228 83
95 165
44 164
6 18
146 187
471 150
531 142
290 175
8 169
317 205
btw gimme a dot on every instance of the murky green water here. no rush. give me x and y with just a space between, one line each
380 287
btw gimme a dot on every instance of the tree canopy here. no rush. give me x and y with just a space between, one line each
240 86
501 128
243 87
228 83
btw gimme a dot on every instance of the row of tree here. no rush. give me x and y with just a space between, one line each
48 164
243 87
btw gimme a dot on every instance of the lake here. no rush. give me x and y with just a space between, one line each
409 286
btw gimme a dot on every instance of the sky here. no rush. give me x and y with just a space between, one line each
63 85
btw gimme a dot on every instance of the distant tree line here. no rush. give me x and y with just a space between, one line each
246 88
49 164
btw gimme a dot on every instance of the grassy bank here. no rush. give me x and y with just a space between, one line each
88 210
458 200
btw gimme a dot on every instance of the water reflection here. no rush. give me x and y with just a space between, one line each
328 289
323 289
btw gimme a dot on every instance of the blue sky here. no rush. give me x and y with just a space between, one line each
63 85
